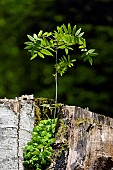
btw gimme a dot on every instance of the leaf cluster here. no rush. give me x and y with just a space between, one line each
63 38
38 152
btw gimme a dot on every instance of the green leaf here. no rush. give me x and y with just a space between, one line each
81 34
86 58
82 41
46 52
91 51
40 146
60 29
30 38
45 33
52 140
34 133
66 51
43 162
37 151
43 42
49 48
49 34
70 48
78 32
38 167
62 47
43 133
40 33
93 54
64 28
74 30
69 28
34 56
35 36
28 47
29 43
32 52
90 60
41 55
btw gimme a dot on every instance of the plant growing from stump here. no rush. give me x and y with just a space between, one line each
38 152
64 38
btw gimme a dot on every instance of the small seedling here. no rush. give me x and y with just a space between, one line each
38 152
63 38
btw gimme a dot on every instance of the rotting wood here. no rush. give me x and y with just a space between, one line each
90 141
16 124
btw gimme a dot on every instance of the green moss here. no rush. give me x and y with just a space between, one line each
62 131
80 121
61 139
42 109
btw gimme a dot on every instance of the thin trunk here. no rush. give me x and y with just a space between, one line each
56 78
56 83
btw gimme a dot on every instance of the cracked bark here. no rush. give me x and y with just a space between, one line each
90 139
16 124
89 135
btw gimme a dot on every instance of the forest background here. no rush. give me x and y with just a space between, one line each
83 85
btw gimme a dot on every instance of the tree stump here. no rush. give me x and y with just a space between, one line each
16 124
90 139
88 135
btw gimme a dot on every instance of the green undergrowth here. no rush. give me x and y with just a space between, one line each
39 151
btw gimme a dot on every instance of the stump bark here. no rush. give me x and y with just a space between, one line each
16 124
89 136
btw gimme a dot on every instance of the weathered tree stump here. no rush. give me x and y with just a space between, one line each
89 137
16 124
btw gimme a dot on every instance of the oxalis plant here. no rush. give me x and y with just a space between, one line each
63 38
38 152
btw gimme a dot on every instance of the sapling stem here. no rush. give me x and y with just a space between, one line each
56 79
56 83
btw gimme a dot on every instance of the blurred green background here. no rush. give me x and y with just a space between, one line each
83 85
